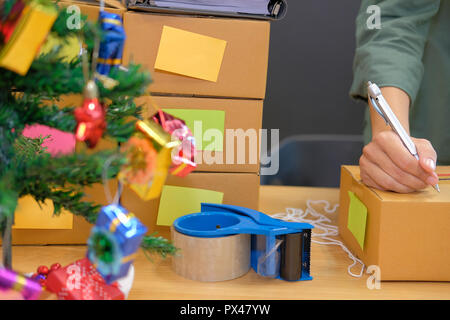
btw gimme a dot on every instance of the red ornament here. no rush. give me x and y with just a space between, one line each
81 281
42 270
90 117
55 266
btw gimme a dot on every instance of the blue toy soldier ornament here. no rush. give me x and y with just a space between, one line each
111 46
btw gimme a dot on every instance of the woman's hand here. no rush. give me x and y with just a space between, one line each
386 164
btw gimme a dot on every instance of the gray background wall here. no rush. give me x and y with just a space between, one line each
310 70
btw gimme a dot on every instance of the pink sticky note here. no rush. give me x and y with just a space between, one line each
59 142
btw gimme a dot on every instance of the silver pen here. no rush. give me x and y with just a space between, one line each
382 107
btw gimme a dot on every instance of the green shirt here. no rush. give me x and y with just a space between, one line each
410 51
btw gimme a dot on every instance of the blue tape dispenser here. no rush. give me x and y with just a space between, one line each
279 249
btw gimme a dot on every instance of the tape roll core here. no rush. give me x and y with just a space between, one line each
211 259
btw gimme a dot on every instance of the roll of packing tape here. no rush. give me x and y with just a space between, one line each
211 259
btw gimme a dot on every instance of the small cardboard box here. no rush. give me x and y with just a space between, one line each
235 146
243 69
406 235
240 189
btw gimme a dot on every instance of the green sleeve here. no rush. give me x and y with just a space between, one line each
392 54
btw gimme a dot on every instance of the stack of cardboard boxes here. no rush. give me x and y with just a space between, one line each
225 116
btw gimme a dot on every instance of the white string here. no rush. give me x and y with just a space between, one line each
322 223
106 184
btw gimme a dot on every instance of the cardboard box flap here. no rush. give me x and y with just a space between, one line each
427 195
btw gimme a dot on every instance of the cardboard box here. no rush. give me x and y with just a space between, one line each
406 235
240 189
240 121
244 66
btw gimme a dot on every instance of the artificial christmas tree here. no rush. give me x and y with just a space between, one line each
31 97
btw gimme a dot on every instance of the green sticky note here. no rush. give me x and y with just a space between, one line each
179 201
357 217
207 126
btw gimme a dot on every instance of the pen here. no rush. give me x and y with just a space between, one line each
382 107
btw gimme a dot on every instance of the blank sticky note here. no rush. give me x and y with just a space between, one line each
179 201
207 124
29 215
357 217
190 54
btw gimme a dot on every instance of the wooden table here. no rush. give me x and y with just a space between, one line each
328 266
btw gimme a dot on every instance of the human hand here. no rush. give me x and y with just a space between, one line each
387 165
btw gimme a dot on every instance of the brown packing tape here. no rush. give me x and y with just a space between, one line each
211 259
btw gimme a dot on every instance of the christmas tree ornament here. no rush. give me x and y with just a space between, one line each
145 173
183 156
81 281
111 46
29 288
142 157
42 273
24 30
90 117
114 241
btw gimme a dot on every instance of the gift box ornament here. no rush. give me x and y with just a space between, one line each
24 30
114 241
111 46
10 280
149 158
183 156
81 281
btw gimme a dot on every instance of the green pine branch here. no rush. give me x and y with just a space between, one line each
25 167
74 169
72 200
157 245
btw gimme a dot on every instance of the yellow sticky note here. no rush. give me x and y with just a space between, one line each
179 201
29 215
190 54
357 217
